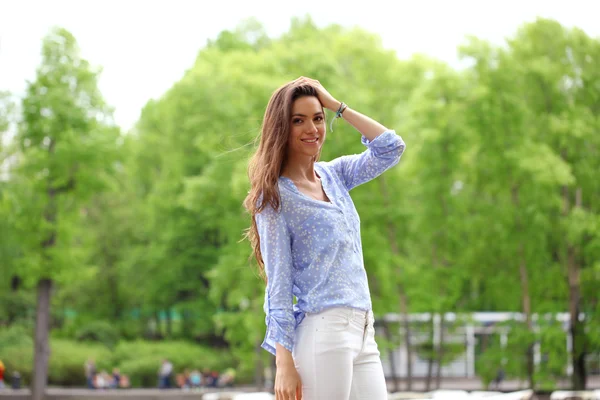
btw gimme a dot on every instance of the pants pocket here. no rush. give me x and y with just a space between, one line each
332 322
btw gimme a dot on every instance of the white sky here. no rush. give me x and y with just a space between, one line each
145 46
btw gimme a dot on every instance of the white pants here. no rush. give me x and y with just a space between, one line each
337 358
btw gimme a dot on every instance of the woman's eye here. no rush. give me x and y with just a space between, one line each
319 119
297 121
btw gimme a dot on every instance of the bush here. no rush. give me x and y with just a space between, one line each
17 351
65 365
16 306
141 360
16 335
99 331
67 359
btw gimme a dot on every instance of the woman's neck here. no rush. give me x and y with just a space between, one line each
300 170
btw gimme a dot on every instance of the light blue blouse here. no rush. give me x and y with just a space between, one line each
312 249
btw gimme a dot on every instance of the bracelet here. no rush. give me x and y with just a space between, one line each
338 113
341 109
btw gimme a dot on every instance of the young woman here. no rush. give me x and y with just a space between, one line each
306 238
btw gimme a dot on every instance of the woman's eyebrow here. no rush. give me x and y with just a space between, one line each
302 115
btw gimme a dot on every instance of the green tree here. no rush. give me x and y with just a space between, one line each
524 100
437 112
6 244
494 206
65 143
560 83
9 243
507 179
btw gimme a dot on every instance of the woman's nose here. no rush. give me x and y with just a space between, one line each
312 128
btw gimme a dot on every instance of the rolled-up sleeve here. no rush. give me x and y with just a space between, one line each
275 247
382 153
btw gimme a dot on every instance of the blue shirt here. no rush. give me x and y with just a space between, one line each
312 249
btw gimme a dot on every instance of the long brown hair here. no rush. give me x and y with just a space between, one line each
267 163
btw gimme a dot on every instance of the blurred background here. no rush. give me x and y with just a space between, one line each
126 132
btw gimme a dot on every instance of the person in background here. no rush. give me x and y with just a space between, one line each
186 379
195 379
124 382
227 378
164 374
498 378
101 380
214 382
116 378
207 378
90 373
2 371
16 380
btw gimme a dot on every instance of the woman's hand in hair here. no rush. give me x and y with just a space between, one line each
326 99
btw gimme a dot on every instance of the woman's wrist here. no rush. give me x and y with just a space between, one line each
283 356
346 108
334 106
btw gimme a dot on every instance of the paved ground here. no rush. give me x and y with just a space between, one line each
136 394
176 394
475 384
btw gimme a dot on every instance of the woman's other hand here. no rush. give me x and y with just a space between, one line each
326 99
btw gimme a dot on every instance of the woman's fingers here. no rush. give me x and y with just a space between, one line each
309 80
285 395
289 394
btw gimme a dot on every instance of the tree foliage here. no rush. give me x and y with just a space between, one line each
495 206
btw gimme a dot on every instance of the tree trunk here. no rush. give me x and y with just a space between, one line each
145 324
431 356
392 237
444 264
388 336
484 342
187 324
525 296
158 333
440 354
576 327
527 312
41 349
259 367
169 322
407 338
15 283
113 287
14 312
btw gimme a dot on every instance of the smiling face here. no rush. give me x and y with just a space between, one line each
307 128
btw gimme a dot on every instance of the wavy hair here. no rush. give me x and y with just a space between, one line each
266 165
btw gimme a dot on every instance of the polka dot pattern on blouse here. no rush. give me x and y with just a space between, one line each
312 249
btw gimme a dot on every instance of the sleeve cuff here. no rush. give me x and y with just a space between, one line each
387 138
276 335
